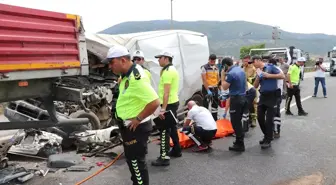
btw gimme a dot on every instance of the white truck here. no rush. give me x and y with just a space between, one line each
332 59
290 53
190 50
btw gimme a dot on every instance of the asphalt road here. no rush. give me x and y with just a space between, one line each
305 154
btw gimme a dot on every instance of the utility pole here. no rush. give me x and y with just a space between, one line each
171 14
276 34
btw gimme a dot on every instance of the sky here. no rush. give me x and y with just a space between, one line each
290 15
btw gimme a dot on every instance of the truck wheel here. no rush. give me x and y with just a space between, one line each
94 122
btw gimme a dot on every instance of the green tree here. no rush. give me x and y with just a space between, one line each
245 50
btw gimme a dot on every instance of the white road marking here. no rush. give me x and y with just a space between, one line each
293 104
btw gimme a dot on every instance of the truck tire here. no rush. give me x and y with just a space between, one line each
94 122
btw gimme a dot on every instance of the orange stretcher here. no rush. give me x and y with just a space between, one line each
224 128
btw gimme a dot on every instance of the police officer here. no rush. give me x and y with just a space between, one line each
137 100
235 81
269 93
277 116
168 93
293 77
210 78
139 58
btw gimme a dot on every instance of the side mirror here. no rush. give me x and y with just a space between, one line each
328 53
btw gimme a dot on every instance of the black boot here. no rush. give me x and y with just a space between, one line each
289 113
262 141
237 146
303 113
161 162
174 153
266 144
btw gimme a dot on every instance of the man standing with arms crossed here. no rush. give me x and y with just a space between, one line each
210 78
168 93
235 81
137 101
293 77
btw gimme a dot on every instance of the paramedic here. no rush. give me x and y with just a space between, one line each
203 130
210 78
235 81
136 102
249 69
139 58
168 93
267 75
277 116
293 77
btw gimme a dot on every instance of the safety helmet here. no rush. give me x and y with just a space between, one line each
138 53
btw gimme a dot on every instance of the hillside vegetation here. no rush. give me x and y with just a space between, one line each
226 38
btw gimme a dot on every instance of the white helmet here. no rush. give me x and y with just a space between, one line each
139 54
302 59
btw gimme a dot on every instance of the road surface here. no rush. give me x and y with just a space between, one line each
305 154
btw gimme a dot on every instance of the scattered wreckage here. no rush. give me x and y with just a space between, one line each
99 96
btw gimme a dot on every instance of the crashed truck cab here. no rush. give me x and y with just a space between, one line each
190 50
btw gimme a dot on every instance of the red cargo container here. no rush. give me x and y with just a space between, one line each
37 48
33 39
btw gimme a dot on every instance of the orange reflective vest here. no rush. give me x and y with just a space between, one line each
211 75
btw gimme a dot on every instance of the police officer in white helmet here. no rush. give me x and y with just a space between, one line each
139 58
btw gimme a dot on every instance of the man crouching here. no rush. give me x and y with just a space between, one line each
203 128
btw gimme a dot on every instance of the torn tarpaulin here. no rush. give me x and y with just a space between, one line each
36 142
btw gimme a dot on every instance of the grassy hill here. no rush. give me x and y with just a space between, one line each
226 38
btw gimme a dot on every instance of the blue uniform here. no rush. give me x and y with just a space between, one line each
269 93
268 85
236 77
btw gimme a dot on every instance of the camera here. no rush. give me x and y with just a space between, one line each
318 63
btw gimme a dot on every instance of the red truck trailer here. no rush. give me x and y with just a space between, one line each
37 50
